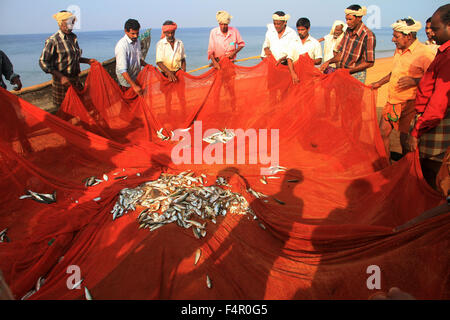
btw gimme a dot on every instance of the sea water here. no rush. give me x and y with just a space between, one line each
24 50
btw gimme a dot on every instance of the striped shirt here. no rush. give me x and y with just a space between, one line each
357 46
61 53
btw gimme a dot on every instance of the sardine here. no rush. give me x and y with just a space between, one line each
198 253
208 282
87 294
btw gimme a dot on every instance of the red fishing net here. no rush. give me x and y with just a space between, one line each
325 218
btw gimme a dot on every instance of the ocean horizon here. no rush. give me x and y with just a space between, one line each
24 50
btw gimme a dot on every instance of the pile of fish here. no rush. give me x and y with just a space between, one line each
183 199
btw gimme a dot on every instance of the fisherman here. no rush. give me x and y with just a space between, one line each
129 57
224 42
356 52
61 57
430 42
171 59
431 129
7 70
279 43
331 41
309 44
411 60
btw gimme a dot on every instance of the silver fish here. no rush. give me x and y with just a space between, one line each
87 294
43 197
208 282
198 253
77 285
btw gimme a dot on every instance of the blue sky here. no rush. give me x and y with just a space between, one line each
31 16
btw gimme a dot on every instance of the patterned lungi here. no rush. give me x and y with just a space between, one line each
59 90
361 76
434 143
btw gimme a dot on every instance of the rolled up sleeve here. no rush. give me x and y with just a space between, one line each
211 44
159 52
121 58
239 41
46 61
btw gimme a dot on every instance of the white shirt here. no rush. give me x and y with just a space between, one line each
128 59
171 58
313 47
329 45
280 47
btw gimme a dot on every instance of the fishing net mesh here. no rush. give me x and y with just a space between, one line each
323 219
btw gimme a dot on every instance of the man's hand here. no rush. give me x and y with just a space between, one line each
65 81
375 85
406 82
91 61
295 79
232 55
324 66
138 90
267 52
281 60
412 143
16 81
172 77
215 64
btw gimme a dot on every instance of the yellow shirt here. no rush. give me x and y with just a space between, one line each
412 62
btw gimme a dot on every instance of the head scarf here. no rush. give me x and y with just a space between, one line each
402 26
223 17
338 23
61 16
358 13
280 18
169 27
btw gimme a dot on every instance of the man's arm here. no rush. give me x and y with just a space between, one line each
8 72
47 65
381 82
133 84
436 107
294 76
369 55
318 54
122 68
363 66
336 58
87 61
265 52
183 64
170 75
233 54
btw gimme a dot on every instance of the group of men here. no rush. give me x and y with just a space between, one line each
418 84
